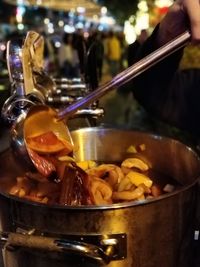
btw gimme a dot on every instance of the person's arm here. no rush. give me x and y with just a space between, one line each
163 91
153 87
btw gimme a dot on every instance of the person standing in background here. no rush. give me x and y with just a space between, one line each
133 48
113 53
68 57
99 54
123 44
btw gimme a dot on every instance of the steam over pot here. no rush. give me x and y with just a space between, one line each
157 232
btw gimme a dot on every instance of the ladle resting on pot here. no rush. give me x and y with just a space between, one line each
35 124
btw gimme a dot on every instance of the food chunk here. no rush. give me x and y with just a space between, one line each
48 143
135 163
139 178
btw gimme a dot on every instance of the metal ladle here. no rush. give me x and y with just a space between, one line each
33 123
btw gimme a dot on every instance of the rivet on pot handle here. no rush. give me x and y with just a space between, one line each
102 255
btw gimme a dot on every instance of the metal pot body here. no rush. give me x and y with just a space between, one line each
156 232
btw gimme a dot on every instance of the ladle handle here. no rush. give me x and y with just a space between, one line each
128 74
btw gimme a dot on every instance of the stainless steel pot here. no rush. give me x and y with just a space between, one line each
153 233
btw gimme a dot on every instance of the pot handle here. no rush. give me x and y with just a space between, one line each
60 245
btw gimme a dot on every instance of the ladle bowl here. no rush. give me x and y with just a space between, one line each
39 120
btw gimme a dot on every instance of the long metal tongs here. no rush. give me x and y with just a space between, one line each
128 74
